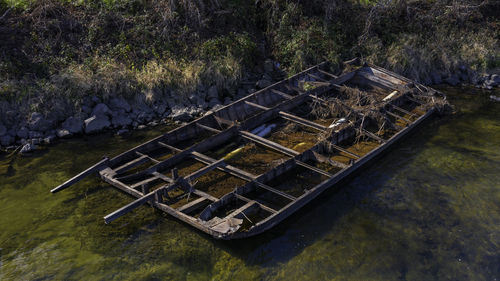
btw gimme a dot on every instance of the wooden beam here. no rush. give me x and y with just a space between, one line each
221 120
210 129
174 149
131 206
264 207
344 150
398 117
302 121
143 182
269 144
372 135
162 177
312 168
328 74
95 168
414 100
317 77
131 164
227 168
193 205
278 92
205 170
257 105
150 158
293 88
274 190
323 159
404 111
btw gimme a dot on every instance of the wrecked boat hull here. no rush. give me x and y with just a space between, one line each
368 97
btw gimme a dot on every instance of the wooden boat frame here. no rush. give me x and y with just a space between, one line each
237 120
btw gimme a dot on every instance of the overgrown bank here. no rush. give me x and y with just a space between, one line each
134 62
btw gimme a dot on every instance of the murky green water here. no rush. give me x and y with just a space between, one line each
428 210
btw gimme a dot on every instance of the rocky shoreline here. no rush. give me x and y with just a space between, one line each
121 115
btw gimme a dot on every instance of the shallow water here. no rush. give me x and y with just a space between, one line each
428 210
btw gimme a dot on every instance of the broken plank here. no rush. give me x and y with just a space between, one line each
264 207
210 129
286 96
372 135
322 158
274 190
328 74
205 170
175 149
162 177
134 163
312 168
227 168
150 158
398 117
344 150
193 205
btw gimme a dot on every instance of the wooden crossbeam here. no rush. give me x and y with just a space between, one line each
344 150
328 74
302 121
134 163
269 144
398 117
274 190
317 77
257 105
293 88
193 205
227 168
312 168
414 100
131 206
162 177
210 129
205 170
174 149
372 135
278 92
404 110
264 207
221 120
144 182
150 158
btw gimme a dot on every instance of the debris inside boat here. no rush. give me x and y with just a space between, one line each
242 169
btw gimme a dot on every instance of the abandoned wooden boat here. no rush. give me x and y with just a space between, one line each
244 168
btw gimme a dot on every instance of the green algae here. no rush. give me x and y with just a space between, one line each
428 210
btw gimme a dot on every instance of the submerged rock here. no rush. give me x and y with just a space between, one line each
96 123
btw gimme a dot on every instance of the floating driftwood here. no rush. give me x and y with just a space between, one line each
234 173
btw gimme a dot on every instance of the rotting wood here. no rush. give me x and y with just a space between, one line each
235 120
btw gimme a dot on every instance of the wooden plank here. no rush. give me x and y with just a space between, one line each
257 105
302 121
210 129
95 168
205 170
193 205
312 168
264 207
317 77
129 207
143 182
162 177
328 74
373 136
398 117
293 88
344 150
129 165
174 149
414 100
221 120
274 190
269 144
286 96
150 158
404 111
227 168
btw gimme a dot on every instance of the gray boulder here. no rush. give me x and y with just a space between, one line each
27 148
213 102
96 123
49 139
122 132
63 133
73 125
118 103
121 120
180 115
34 134
38 122
212 93
101 109
263 83
23 133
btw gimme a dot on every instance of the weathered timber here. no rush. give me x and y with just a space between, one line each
233 122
